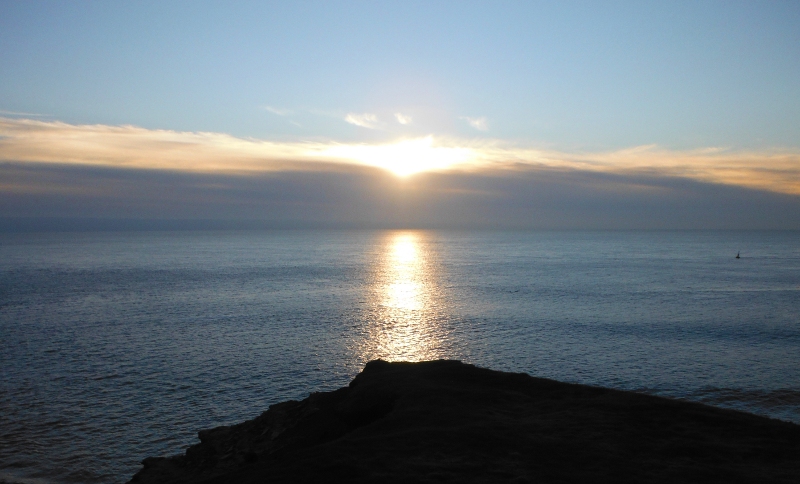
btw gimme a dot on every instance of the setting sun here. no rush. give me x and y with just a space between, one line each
403 158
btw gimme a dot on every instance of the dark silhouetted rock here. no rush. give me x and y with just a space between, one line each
445 421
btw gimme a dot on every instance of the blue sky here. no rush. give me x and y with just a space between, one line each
583 83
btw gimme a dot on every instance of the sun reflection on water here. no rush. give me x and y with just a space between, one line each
405 269
406 302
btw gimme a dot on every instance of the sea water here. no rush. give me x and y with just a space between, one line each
119 346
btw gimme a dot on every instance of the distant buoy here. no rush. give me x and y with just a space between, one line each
737 256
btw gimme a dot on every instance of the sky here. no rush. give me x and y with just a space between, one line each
593 115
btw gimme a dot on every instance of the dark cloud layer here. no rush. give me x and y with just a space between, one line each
64 197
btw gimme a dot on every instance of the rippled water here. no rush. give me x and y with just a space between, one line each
118 346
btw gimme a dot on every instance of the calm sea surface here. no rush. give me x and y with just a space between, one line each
119 346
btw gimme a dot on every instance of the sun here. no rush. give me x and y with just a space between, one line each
403 158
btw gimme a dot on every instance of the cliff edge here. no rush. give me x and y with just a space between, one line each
445 421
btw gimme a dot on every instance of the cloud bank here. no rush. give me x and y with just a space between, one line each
35 141
53 171
47 196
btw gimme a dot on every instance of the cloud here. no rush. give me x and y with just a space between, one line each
481 124
134 147
359 196
405 157
131 147
777 171
278 111
16 113
403 118
365 120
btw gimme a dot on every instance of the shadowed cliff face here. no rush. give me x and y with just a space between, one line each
444 421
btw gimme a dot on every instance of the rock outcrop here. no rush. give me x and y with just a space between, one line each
445 421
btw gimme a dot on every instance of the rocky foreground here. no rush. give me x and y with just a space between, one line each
445 421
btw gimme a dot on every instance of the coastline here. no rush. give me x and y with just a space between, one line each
449 421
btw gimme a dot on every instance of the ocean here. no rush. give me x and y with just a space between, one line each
118 346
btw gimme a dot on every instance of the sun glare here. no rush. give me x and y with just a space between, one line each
403 158
405 318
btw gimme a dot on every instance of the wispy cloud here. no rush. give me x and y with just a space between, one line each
403 118
17 113
481 124
277 111
365 120
35 141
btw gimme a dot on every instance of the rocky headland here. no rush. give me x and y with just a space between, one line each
445 421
